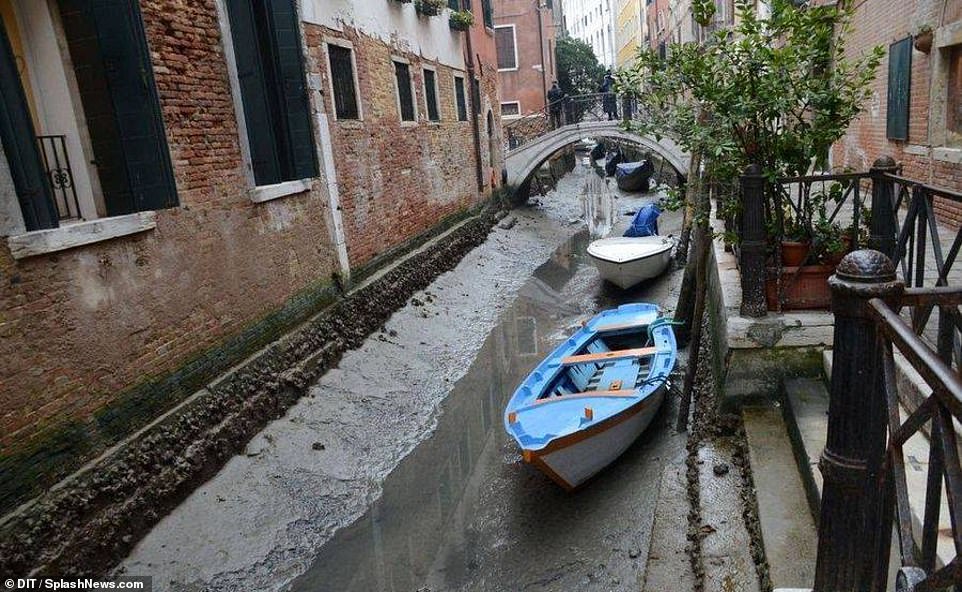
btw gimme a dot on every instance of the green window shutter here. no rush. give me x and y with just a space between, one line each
292 97
20 148
253 86
403 75
431 95
899 83
460 98
116 82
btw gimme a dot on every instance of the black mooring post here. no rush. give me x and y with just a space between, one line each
752 235
853 539
882 228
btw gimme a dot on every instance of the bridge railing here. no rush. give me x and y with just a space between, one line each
567 111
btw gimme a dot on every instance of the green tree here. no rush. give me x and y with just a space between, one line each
579 72
777 92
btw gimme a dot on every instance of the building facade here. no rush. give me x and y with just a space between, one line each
914 112
525 34
671 21
593 21
630 30
182 180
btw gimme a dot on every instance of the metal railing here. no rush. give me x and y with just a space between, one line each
913 241
56 165
567 111
866 489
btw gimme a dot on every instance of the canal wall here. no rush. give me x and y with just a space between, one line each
85 523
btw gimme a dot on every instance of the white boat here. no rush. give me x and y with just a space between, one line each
626 261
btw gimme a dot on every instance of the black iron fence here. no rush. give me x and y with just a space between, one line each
894 300
830 214
567 111
56 165
866 490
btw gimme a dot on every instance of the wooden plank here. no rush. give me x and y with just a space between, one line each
623 394
619 327
607 356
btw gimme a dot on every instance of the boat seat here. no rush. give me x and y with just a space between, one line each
617 354
597 346
581 375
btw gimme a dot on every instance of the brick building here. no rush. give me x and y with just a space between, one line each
183 180
525 39
914 113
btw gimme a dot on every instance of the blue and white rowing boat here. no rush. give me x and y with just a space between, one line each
584 404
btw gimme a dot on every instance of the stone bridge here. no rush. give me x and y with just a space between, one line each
522 161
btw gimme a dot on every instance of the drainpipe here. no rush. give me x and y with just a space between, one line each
475 109
544 64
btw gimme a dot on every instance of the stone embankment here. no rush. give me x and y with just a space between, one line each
86 523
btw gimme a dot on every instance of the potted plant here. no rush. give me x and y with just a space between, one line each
430 7
796 241
830 241
461 20
922 40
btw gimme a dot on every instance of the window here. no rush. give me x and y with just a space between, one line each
953 115
270 72
431 94
506 43
83 136
342 82
405 96
511 109
900 71
487 13
461 99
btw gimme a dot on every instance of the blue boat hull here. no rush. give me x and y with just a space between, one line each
586 402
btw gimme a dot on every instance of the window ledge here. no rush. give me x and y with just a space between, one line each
39 242
278 190
953 155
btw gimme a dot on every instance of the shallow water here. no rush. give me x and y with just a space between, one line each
462 511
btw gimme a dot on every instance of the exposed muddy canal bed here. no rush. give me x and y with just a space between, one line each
396 474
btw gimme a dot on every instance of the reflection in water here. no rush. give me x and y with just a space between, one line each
599 206
394 545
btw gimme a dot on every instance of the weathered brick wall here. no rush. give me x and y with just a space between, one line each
881 22
84 333
396 179
527 84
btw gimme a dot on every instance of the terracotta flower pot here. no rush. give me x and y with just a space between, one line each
923 41
795 252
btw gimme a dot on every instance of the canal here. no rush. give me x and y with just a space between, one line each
396 473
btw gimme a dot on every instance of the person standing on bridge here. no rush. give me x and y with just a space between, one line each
608 100
556 99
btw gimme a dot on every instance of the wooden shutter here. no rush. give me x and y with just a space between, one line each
19 145
899 82
507 53
403 75
460 98
254 93
292 91
122 56
431 95
342 79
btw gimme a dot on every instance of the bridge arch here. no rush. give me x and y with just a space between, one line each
521 163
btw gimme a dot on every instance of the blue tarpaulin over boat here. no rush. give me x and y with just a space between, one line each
645 222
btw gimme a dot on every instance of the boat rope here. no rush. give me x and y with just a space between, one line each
661 322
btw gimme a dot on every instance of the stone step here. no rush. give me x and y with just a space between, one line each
726 547
787 525
669 566
807 413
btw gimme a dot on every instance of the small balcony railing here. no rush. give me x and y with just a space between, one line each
56 165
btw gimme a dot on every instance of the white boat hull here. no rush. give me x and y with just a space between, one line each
629 273
573 460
